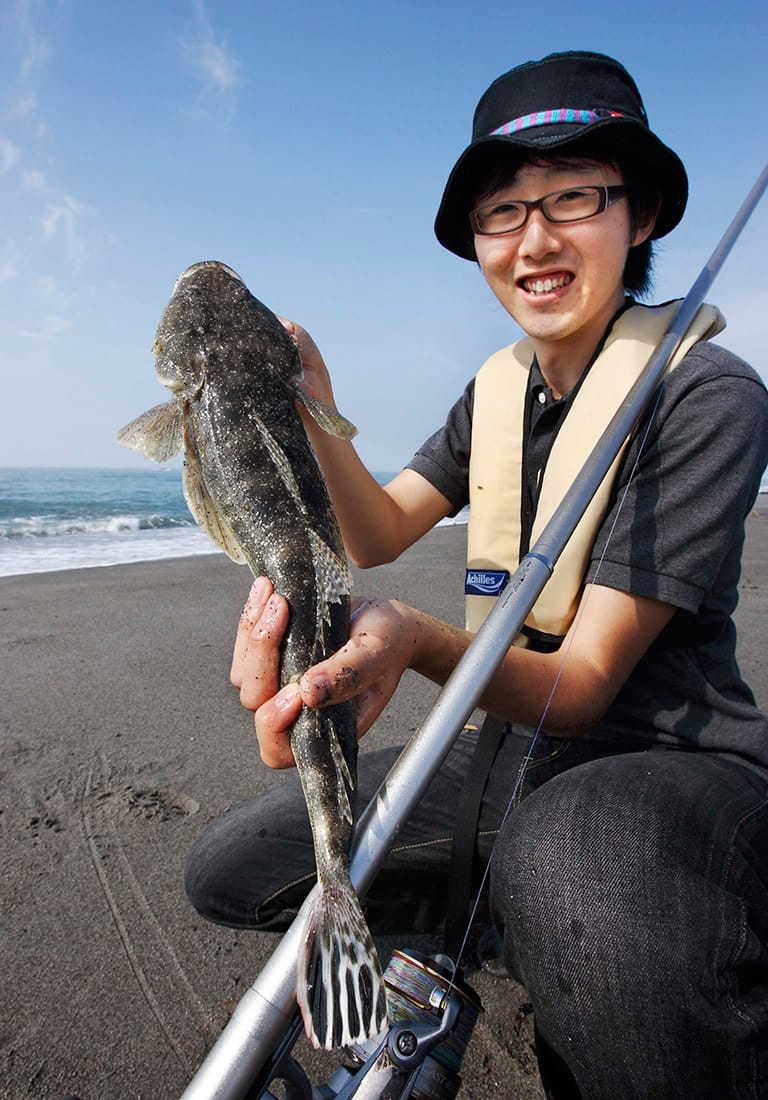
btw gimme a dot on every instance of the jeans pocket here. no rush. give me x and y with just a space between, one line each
544 760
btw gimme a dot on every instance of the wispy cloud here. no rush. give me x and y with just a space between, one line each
208 57
49 327
51 226
9 155
34 46
22 106
32 180
63 218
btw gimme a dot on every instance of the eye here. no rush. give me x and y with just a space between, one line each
502 209
157 347
574 197
499 216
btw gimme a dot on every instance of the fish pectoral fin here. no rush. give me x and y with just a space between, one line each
206 514
339 984
279 458
157 433
333 579
329 420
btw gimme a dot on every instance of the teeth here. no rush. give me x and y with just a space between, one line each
544 286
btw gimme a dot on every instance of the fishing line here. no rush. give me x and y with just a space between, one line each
566 650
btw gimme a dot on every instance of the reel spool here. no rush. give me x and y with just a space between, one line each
431 1019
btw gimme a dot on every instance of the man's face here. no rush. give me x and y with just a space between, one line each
561 282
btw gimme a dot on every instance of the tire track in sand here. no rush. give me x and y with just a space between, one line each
161 978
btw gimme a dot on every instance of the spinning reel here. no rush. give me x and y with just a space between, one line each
432 1014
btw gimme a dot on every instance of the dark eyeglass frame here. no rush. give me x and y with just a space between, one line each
609 194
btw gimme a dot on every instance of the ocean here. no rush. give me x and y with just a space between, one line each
78 518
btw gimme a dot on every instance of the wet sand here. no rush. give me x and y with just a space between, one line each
121 738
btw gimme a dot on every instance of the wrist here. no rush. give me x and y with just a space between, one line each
437 647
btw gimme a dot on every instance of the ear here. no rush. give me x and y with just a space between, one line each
643 231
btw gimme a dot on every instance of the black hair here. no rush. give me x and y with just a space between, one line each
643 198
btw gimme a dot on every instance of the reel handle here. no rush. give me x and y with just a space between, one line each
409 1044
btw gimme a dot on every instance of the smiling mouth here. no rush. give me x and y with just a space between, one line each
545 285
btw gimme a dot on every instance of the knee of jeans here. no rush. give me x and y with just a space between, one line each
568 872
253 866
202 882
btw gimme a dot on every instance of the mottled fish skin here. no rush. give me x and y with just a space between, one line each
251 480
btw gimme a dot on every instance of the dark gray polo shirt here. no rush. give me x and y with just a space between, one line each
676 524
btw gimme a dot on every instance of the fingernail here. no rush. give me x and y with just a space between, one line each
321 688
267 618
255 596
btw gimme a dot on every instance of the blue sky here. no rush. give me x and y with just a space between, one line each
307 145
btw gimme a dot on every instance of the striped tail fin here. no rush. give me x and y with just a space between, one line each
339 985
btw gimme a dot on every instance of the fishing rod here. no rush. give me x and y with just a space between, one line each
254 1047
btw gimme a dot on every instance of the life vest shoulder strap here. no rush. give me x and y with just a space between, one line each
495 470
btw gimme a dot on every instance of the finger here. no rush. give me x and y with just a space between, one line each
370 704
261 590
261 662
272 722
345 674
333 681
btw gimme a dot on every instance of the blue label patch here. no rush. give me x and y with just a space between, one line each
485 582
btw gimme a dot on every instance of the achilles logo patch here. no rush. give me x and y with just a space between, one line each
485 582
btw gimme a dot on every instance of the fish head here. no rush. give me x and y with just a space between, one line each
213 326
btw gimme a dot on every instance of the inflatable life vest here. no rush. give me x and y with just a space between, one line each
495 469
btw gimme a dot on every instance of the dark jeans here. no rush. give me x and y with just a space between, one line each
630 888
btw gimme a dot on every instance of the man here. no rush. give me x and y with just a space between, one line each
630 884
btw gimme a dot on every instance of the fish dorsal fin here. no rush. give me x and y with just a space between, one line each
203 508
333 580
157 433
329 420
344 780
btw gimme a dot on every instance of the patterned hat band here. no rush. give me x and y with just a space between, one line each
547 118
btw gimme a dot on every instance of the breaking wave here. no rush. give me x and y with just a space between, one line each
42 527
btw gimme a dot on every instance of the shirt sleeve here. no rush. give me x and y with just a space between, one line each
444 458
674 530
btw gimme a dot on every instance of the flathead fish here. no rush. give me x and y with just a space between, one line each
252 482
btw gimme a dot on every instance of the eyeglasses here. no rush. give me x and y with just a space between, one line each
574 204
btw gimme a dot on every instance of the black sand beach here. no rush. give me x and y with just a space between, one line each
120 738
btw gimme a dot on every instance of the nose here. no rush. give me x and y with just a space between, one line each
539 236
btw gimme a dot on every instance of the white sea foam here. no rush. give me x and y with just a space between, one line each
87 551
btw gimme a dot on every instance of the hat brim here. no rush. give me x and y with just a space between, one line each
625 139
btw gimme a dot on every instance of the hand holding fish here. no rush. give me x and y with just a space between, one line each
315 380
255 667
381 646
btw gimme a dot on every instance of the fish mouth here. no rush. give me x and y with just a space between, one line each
185 390
213 265
175 385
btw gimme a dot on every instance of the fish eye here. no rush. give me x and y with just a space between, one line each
157 347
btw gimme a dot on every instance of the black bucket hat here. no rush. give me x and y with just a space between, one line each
573 103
